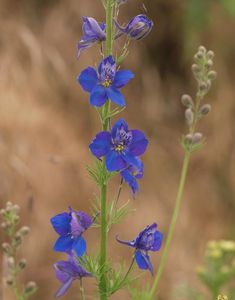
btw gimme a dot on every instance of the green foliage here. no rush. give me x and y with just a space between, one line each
98 173
116 278
139 294
229 6
116 215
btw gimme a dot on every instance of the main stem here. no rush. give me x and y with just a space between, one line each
103 191
172 224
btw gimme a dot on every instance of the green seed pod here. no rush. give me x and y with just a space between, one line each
9 281
24 231
210 55
202 49
30 287
6 248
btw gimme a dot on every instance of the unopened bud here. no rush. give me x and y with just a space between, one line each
9 204
205 109
187 101
212 75
198 56
11 262
202 49
203 87
6 247
195 69
210 54
189 116
24 231
22 263
209 64
2 211
189 138
16 207
4 225
30 287
9 281
197 137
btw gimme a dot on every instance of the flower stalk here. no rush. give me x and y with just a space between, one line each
103 189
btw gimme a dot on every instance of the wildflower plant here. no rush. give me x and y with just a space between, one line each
14 265
118 151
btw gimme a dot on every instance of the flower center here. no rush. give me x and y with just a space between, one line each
119 147
107 82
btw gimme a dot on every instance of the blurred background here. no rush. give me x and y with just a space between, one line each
46 125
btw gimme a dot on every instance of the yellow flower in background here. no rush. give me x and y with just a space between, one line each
222 297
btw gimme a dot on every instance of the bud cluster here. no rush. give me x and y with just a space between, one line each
14 235
219 267
194 111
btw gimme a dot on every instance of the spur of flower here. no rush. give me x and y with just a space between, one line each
68 271
105 83
150 239
93 32
121 147
137 28
70 226
131 174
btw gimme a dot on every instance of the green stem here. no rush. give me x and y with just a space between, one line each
103 191
81 290
172 224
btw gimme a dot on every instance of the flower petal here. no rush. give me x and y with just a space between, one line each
115 161
88 79
107 63
120 123
157 241
61 223
122 77
79 246
143 261
98 96
131 180
85 220
131 159
63 244
64 270
131 243
64 288
139 143
101 144
116 96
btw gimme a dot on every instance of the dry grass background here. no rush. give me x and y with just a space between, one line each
46 125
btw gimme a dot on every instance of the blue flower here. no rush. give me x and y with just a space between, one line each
121 147
93 32
68 271
131 174
70 226
150 239
105 84
137 28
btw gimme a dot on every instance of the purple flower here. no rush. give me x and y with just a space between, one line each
137 28
121 147
93 32
150 239
131 174
68 271
105 83
70 226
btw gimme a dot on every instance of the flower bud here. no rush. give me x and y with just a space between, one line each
30 287
187 101
209 64
9 281
24 231
2 211
195 69
205 109
189 138
210 55
189 116
212 75
203 87
11 262
197 137
137 28
6 247
202 49
3 225
198 56
22 263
